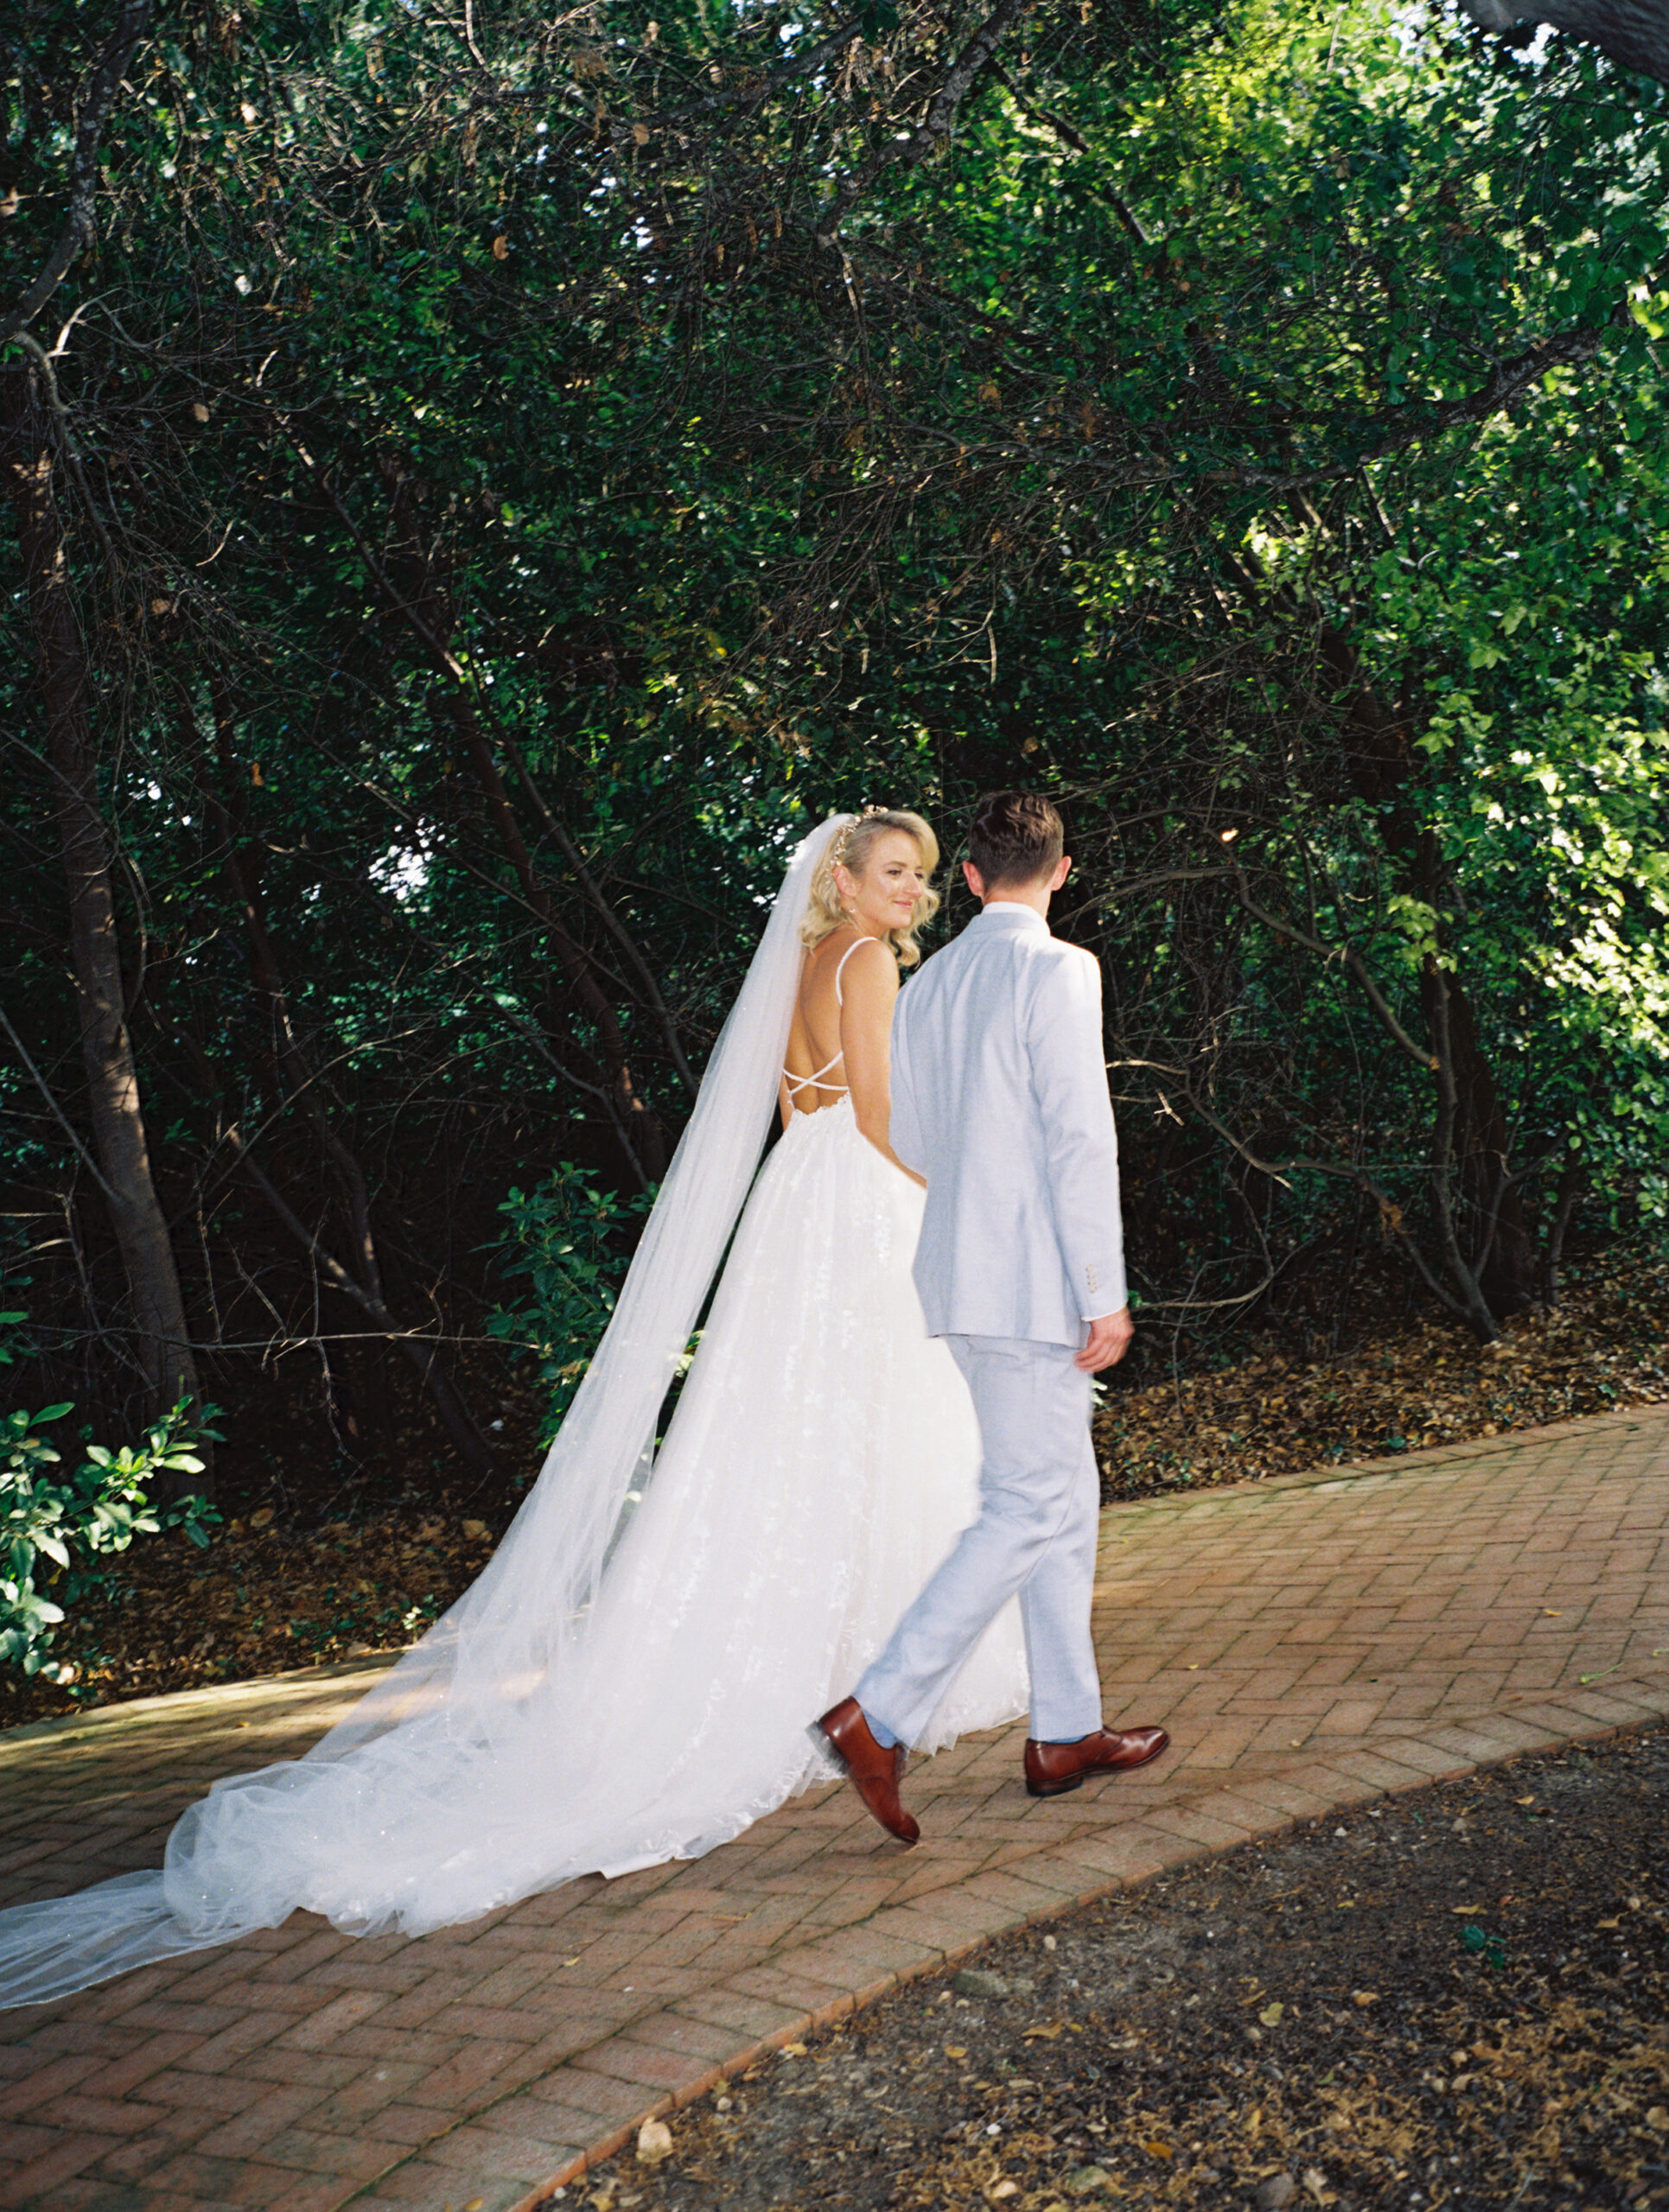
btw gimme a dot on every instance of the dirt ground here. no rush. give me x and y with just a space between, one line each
1456 1997
1392 1381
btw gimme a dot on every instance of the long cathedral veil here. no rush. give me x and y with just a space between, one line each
383 1825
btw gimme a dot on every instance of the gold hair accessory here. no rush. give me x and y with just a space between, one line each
843 843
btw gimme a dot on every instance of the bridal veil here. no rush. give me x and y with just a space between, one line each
382 1825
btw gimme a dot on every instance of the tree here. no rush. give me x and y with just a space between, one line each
541 468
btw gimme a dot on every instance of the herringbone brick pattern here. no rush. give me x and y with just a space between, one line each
1310 1642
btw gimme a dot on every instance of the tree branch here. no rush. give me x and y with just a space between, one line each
741 94
1348 953
935 126
43 360
80 230
57 1111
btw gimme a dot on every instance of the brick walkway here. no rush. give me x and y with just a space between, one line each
1311 1642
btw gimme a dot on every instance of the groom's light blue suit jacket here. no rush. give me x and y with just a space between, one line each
999 1098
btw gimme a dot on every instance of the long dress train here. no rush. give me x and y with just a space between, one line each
631 1679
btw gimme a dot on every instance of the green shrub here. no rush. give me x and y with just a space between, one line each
569 1244
54 1527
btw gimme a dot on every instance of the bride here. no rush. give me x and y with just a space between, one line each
630 1679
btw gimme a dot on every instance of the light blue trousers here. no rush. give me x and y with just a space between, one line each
1036 1533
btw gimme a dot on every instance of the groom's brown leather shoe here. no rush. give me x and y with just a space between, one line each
1052 1769
875 1772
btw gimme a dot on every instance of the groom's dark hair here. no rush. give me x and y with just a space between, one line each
1016 838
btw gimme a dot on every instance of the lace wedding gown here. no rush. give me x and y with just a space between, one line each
632 1678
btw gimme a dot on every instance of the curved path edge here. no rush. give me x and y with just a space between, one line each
1313 1641
1151 1848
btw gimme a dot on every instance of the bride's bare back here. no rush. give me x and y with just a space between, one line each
814 1073
839 1041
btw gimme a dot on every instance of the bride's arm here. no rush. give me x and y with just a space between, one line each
870 987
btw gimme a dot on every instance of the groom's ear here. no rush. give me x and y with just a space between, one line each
975 881
1063 870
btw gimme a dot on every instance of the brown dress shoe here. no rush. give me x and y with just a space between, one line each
1052 1769
875 1772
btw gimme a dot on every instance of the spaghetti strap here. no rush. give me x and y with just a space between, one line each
844 957
799 1082
796 1083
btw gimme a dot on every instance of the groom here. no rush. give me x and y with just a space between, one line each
999 1098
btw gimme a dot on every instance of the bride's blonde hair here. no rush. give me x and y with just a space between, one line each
851 850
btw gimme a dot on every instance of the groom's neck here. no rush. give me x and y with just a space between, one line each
1036 895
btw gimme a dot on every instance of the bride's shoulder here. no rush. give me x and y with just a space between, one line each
869 962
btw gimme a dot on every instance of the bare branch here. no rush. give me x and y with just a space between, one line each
935 126
57 1111
1348 953
81 229
43 360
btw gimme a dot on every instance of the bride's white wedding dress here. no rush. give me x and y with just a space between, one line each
632 1678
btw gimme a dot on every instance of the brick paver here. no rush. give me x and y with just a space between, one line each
1311 1642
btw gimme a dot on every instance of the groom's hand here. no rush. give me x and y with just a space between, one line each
1109 1341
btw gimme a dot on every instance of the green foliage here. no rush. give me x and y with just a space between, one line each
54 1527
569 1247
1233 366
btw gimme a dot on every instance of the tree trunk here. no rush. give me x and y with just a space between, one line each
114 1106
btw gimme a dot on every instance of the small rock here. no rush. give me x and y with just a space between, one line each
1087 2179
974 1981
1277 2190
655 2143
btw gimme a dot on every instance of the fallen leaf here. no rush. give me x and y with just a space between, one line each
475 1530
1553 1616
1045 2033
1466 1908
955 2050
1364 1997
1608 1924
1159 2150
1658 2119
500 249
655 2142
639 134
1000 2191
1270 2015
793 2051
1087 2178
